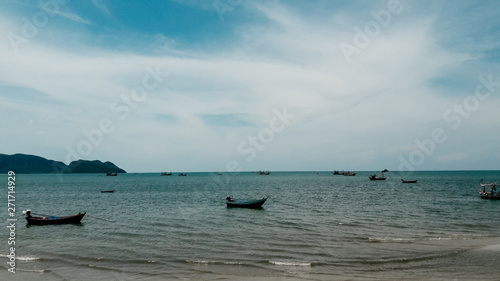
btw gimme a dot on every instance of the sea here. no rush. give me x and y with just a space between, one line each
314 226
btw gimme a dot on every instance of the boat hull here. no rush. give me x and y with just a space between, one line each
489 196
251 204
61 220
403 181
374 177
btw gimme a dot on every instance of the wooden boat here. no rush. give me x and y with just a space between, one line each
166 174
251 204
54 219
182 175
405 181
111 174
492 194
489 195
264 173
377 178
107 191
344 173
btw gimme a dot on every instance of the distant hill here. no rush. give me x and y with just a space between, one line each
96 166
31 164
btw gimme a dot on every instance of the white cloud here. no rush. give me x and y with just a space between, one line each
356 114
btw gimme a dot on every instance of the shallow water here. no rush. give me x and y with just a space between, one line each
314 226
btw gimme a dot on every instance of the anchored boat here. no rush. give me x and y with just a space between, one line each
407 181
250 204
377 178
492 194
53 219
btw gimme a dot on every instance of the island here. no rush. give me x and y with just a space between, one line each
32 164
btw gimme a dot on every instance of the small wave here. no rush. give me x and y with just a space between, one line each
22 258
33 270
389 239
408 240
409 260
286 263
216 262
27 258
350 224
438 238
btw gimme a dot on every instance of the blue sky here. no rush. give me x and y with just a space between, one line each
187 85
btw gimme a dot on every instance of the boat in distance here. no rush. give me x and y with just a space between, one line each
377 178
107 191
111 174
250 204
344 173
408 181
54 219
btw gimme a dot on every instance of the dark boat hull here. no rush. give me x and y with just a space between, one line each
61 220
485 195
107 191
251 204
403 181
377 179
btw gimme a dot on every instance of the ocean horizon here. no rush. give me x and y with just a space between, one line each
175 172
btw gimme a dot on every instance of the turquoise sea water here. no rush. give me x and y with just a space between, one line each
314 226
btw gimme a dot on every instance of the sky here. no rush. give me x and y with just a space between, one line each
235 85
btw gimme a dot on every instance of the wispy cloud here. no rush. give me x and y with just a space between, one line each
100 4
73 17
358 115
